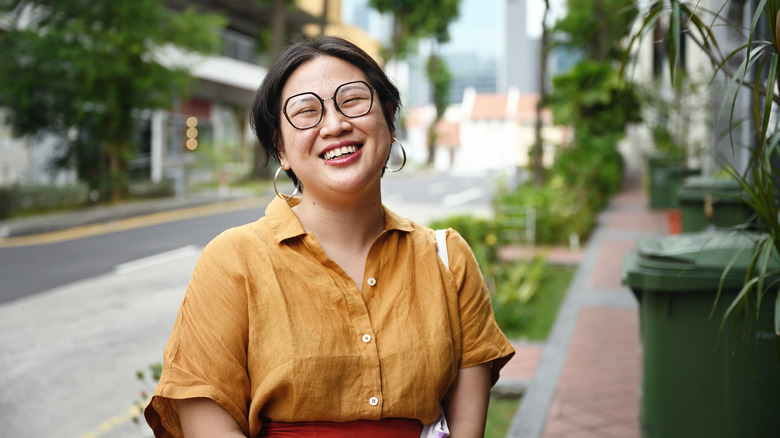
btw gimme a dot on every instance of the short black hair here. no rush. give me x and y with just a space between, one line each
266 114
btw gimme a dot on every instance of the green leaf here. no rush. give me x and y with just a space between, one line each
746 288
674 31
777 316
771 78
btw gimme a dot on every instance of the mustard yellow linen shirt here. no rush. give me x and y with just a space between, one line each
271 328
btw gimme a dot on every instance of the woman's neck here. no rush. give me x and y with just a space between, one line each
349 225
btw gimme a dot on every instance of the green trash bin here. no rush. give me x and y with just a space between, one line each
666 177
697 381
708 203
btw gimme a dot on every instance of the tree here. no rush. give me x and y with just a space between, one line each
79 70
595 27
537 153
415 20
592 97
441 79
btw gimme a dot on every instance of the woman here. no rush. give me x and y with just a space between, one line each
331 314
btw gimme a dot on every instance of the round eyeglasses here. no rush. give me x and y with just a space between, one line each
305 110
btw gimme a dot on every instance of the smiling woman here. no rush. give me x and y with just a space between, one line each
331 314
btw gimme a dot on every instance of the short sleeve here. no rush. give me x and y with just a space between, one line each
482 339
206 355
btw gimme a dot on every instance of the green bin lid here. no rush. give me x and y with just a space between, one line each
690 262
697 187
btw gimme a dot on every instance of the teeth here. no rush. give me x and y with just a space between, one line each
344 150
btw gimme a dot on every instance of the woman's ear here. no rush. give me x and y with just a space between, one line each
283 160
280 152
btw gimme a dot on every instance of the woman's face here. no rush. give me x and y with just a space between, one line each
340 155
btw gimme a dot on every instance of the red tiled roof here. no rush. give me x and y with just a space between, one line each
494 107
489 106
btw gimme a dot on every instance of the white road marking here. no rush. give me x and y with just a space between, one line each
463 197
437 188
157 259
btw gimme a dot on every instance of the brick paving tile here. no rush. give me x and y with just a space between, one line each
597 389
557 429
583 434
617 431
608 261
523 365
555 255
656 222
631 194
588 421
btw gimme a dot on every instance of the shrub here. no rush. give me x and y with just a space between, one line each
18 200
149 189
512 285
560 210
481 235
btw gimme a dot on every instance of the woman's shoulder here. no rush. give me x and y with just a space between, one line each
242 237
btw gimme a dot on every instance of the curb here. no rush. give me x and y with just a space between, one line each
107 213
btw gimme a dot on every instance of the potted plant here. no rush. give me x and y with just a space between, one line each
747 279
753 68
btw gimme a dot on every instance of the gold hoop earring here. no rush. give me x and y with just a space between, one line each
403 151
282 196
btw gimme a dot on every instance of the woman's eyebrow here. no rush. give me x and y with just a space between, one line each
302 97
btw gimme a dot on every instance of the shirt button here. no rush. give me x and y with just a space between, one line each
366 338
372 281
373 401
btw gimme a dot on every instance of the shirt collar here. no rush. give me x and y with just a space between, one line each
285 224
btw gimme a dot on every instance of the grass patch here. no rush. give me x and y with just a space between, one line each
499 417
533 320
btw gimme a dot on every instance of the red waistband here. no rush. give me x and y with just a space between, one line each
385 428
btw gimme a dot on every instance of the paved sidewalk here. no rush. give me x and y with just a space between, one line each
585 383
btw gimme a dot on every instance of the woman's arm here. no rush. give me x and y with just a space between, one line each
466 402
203 417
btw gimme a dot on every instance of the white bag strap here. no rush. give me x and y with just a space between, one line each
441 247
439 428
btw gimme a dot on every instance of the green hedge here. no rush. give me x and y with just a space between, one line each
18 199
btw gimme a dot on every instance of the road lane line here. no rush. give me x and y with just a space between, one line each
128 224
157 259
463 197
113 422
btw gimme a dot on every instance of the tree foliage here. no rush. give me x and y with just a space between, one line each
592 98
440 78
595 27
417 19
80 69
597 104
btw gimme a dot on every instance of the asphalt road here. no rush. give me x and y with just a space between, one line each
32 269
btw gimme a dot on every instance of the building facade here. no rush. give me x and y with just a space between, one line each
219 99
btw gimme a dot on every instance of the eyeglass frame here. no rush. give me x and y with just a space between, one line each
335 104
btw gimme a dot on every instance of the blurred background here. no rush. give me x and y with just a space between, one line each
125 147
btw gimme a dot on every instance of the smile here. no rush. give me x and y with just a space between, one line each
340 152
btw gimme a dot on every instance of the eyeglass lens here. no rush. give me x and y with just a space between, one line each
352 99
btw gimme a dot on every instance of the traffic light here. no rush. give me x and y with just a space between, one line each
192 133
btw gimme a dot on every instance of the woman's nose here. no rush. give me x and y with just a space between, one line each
333 122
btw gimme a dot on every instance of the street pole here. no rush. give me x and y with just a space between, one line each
178 156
